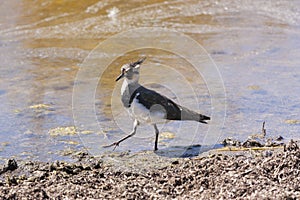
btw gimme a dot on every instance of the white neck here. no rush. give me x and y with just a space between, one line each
129 84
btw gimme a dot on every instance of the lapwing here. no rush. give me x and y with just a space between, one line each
147 106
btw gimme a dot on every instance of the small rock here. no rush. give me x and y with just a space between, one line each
291 146
231 142
175 162
252 143
11 180
279 138
10 166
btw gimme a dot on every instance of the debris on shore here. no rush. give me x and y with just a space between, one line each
217 176
258 141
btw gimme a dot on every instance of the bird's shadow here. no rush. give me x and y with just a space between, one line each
186 151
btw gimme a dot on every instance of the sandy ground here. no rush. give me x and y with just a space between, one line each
260 175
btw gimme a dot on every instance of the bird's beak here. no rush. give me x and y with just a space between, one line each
120 76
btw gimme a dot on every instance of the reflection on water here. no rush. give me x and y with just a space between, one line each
255 45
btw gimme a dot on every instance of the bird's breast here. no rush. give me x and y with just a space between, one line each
151 116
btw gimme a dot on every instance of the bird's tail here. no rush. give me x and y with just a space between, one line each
203 118
187 114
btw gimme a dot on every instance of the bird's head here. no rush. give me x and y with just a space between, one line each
131 71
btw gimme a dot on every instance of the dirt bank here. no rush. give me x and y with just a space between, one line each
272 175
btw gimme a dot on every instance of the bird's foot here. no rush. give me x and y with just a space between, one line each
115 144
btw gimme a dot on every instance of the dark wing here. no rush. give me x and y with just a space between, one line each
151 99
155 101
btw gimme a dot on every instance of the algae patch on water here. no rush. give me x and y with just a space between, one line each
167 135
36 111
253 87
67 131
63 131
292 121
40 107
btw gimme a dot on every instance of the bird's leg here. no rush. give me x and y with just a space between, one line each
135 125
156 137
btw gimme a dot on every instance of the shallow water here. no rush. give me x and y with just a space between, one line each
43 45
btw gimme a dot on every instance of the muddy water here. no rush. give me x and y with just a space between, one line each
255 45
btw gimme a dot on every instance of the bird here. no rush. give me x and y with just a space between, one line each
148 106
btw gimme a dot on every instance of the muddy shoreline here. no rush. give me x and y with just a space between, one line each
260 175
